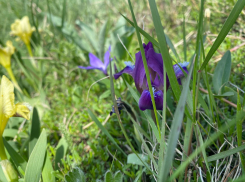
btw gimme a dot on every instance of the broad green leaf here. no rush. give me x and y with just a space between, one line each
133 159
61 150
36 159
35 130
75 175
222 72
15 156
48 169
118 177
10 133
108 176
226 153
225 30
93 117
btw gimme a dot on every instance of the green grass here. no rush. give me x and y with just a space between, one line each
59 89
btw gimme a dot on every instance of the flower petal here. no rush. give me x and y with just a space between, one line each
107 57
155 66
178 72
146 103
23 110
95 62
128 69
7 105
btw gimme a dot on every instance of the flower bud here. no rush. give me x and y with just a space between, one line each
8 170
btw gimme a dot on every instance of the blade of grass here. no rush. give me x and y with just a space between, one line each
175 131
226 153
187 142
213 137
145 65
164 49
225 30
103 129
120 122
149 119
63 14
239 129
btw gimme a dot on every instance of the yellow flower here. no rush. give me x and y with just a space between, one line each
7 106
23 29
5 54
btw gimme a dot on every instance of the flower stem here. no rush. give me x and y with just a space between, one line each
3 155
10 72
28 46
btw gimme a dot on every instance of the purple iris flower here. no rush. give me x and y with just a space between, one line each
155 65
96 63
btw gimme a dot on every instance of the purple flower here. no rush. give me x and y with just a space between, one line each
96 63
155 65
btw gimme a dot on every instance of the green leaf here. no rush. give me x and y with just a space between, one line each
225 30
108 176
102 36
118 177
90 34
175 130
36 159
35 130
93 117
48 169
10 133
224 154
2 176
61 150
133 159
76 175
222 72
16 158
226 94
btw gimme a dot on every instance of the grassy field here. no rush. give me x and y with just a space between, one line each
71 135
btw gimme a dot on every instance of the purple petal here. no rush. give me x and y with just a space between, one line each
178 72
155 65
146 103
127 69
107 57
90 68
96 62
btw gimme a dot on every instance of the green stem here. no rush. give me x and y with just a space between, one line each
10 72
28 46
3 155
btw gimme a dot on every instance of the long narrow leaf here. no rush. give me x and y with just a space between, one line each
225 30
175 130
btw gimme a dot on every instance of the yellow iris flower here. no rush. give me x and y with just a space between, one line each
5 60
22 29
6 53
9 109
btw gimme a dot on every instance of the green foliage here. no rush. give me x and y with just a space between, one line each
198 129
75 175
222 73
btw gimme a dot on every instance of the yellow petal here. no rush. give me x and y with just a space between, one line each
5 54
22 28
7 105
23 110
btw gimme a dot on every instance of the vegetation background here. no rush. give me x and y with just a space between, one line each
66 31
